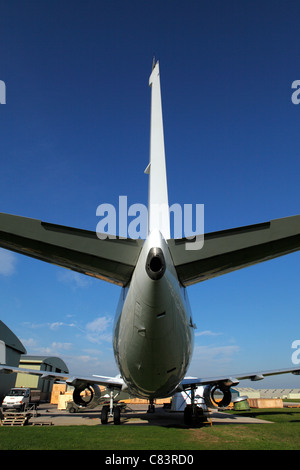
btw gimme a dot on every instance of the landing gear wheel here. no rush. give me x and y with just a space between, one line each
151 407
188 415
199 415
193 416
104 415
117 415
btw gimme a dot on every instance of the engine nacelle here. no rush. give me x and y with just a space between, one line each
87 396
212 401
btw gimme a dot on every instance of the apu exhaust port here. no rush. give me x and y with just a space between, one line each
155 264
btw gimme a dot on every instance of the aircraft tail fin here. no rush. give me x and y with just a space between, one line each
158 205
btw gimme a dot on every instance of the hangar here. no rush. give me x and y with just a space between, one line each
44 363
13 352
11 349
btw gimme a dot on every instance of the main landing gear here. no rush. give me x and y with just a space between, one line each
107 412
151 407
194 414
111 411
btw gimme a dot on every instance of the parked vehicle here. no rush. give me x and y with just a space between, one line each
21 398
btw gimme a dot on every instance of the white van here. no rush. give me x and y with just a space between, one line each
21 398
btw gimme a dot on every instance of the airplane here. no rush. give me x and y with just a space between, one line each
153 332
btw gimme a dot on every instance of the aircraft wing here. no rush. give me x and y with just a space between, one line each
76 381
232 380
110 259
229 250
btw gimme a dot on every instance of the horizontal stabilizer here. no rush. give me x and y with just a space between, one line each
111 259
229 250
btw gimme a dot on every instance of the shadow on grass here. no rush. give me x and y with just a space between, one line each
273 414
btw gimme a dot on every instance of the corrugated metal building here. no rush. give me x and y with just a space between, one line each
44 363
289 393
11 349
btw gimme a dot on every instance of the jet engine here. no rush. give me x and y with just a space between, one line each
86 396
217 395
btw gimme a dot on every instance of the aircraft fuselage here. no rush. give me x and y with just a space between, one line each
153 333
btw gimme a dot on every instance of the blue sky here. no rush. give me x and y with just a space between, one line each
75 134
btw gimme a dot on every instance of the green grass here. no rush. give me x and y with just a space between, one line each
291 400
282 433
275 415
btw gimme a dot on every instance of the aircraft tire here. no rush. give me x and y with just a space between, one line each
117 415
188 415
104 415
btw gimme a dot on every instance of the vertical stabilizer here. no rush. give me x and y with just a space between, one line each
158 205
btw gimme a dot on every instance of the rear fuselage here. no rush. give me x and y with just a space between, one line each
153 333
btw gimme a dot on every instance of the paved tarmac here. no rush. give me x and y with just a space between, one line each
48 414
